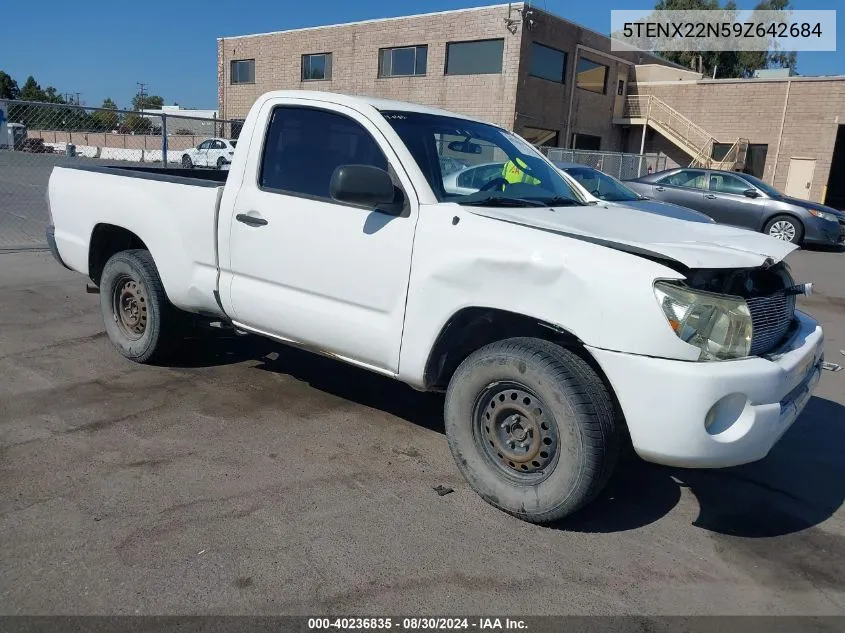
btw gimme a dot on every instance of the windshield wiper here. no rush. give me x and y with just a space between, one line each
494 200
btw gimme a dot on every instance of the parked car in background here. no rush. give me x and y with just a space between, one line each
213 152
743 200
471 179
610 191
449 164
595 186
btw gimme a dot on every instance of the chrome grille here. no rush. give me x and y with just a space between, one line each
770 318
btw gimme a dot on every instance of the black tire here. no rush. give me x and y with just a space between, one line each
574 407
786 228
220 162
139 319
186 162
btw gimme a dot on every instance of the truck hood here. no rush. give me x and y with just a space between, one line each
692 244
664 208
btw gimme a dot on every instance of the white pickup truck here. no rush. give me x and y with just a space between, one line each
557 330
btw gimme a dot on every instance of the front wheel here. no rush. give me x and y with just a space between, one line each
786 228
531 427
186 162
139 319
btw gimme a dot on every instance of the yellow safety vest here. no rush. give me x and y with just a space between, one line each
513 174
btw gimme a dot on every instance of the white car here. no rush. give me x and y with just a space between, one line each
213 152
555 329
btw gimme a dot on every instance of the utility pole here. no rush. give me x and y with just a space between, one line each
142 95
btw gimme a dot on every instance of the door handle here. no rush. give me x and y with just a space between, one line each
659 189
710 196
250 220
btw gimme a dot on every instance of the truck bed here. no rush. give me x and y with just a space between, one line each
195 177
173 212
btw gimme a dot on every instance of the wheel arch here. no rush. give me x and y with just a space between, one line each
788 214
106 241
471 328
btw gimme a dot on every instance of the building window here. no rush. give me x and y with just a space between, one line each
482 57
242 71
591 76
585 141
317 67
540 137
404 61
547 63
620 87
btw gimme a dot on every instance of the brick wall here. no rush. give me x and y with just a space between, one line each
754 109
117 141
355 48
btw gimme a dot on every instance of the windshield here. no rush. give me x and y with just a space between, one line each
601 185
469 162
762 186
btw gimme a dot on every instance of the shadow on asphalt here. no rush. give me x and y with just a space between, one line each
799 485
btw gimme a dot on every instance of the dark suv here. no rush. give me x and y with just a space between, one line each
743 200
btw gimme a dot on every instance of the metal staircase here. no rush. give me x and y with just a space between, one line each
682 132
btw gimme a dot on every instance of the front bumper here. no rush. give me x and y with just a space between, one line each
824 232
749 404
54 249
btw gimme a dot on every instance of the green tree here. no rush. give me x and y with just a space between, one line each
146 102
8 87
136 124
106 121
728 64
32 91
52 96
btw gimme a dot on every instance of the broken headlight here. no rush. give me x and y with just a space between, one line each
719 325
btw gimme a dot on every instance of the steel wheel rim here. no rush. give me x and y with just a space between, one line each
516 432
783 230
130 307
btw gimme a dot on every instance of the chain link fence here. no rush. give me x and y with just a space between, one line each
35 137
616 164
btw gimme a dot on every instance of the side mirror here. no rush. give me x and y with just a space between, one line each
751 193
362 185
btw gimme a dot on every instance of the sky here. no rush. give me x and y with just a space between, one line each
103 49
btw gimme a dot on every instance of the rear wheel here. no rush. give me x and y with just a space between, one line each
786 228
186 162
221 162
139 319
531 427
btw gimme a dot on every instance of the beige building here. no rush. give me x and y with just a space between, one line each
551 80
559 84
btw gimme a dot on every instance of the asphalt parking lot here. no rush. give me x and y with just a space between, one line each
248 478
